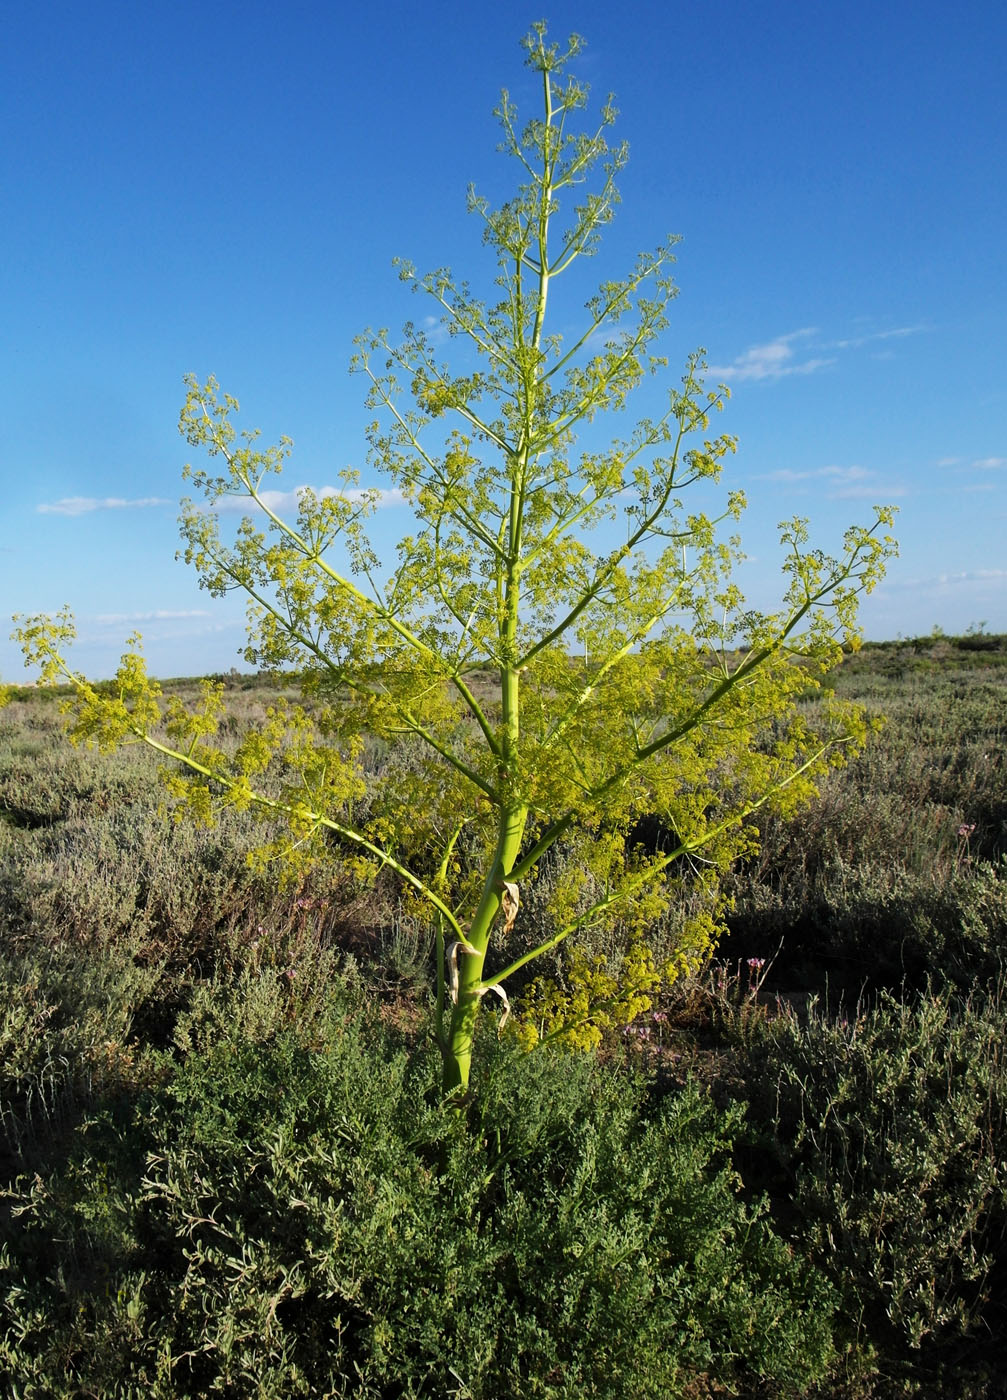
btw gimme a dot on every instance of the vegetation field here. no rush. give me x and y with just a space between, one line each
226 1169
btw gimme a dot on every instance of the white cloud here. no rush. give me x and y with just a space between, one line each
840 474
776 359
772 360
950 579
842 483
278 501
83 505
987 464
157 615
855 342
873 491
947 461
435 330
973 576
275 500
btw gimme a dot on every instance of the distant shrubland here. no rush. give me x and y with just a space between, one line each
226 1170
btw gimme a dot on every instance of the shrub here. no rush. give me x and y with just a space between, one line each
885 926
65 1038
895 873
297 1214
889 1129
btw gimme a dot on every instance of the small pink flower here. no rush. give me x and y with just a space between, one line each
966 829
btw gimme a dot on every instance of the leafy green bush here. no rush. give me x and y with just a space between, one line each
65 1040
896 873
889 1134
297 1214
588 1237
889 927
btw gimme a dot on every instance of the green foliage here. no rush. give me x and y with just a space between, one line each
65 1037
89 859
589 1000
536 540
291 1214
891 1126
889 927
895 872
97 890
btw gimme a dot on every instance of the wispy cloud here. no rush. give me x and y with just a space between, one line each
880 491
435 330
843 474
973 576
950 579
106 630
156 615
990 464
275 500
83 505
289 500
774 359
899 333
785 355
841 483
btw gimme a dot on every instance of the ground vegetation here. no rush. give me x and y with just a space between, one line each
224 1171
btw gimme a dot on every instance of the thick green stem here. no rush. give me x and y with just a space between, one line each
471 958
510 834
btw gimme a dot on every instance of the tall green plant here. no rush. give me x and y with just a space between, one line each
545 691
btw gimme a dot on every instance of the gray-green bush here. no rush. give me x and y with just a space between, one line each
896 872
147 1003
887 1129
294 1213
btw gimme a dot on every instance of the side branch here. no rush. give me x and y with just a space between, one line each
302 812
638 882
410 723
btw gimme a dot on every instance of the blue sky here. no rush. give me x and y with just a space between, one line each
222 189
